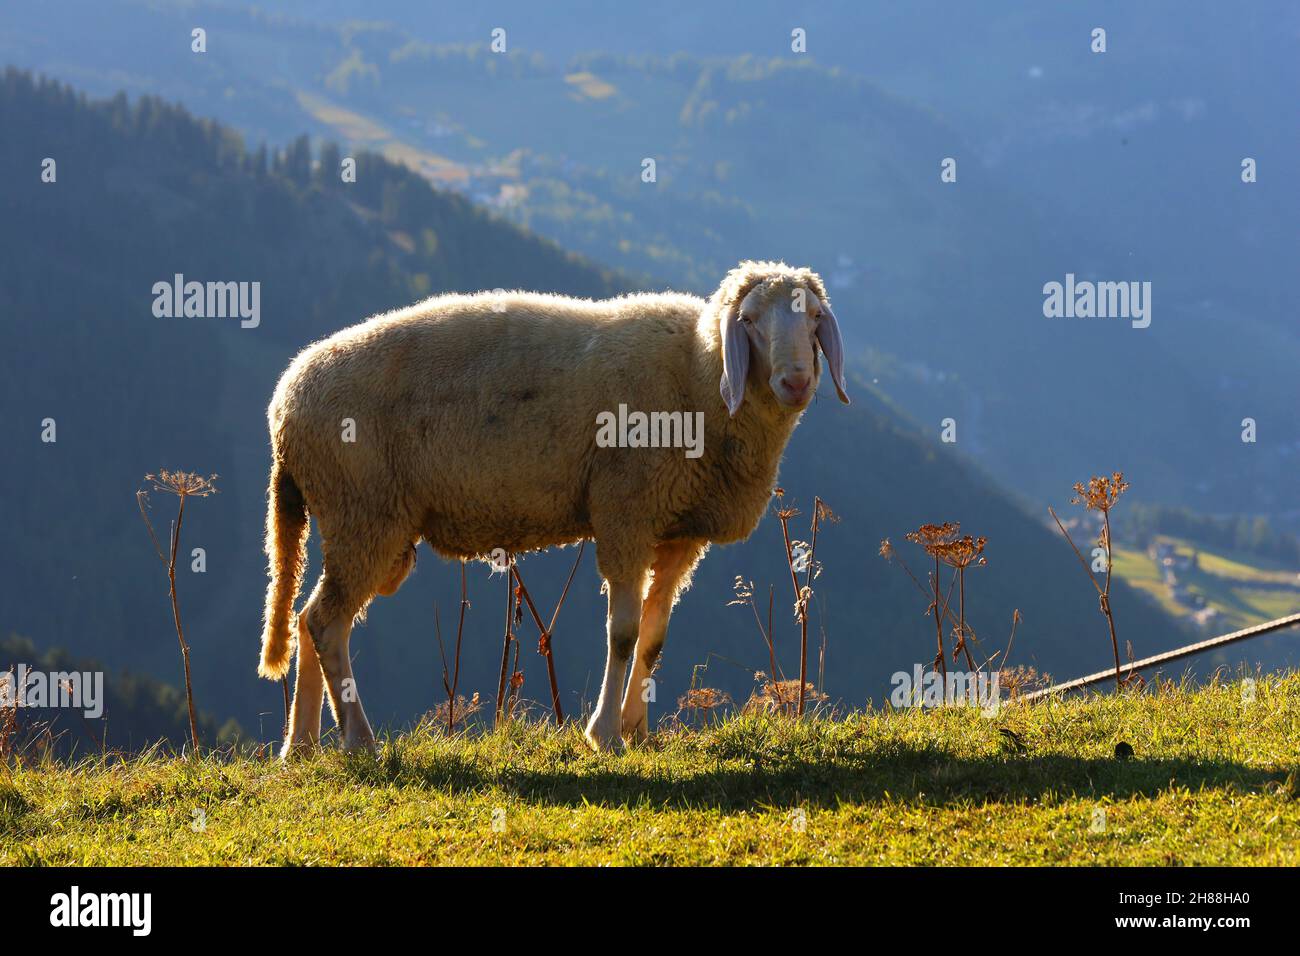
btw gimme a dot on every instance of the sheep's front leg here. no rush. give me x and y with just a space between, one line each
623 621
674 561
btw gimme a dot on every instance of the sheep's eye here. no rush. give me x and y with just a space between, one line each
746 318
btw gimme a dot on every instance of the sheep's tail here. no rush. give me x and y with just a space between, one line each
286 545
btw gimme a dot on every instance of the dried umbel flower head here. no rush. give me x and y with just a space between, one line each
1101 492
183 484
1020 679
963 552
703 699
932 537
783 513
886 549
781 696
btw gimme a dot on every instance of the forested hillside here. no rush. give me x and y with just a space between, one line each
144 191
127 712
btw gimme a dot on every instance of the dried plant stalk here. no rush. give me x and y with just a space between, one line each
505 646
932 538
183 485
547 631
451 684
1100 494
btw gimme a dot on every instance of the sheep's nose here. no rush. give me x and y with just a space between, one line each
796 384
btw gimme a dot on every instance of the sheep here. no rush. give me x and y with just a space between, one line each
470 422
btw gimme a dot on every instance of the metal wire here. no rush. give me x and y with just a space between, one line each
1291 620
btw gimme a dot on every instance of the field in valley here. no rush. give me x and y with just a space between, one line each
1242 590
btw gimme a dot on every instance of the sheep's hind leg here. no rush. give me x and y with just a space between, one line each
674 561
308 697
623 619
329 622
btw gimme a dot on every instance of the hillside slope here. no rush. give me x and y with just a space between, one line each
884 788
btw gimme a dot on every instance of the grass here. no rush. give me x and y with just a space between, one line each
1213 780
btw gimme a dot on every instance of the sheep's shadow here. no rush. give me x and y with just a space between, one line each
930 776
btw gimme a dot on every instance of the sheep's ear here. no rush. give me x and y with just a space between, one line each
828 337
735 359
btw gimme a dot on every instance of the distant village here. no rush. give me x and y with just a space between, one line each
1173 564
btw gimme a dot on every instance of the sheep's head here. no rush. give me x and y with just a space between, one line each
774 317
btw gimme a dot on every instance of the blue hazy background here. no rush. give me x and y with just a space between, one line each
484 170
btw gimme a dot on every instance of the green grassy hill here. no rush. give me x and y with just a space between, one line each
1212 780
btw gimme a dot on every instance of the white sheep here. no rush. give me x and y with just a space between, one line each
471 421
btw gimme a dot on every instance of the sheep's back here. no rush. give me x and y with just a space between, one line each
475 417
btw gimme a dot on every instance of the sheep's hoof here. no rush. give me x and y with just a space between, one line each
362 745
357 737
603 739
298 750
634 729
